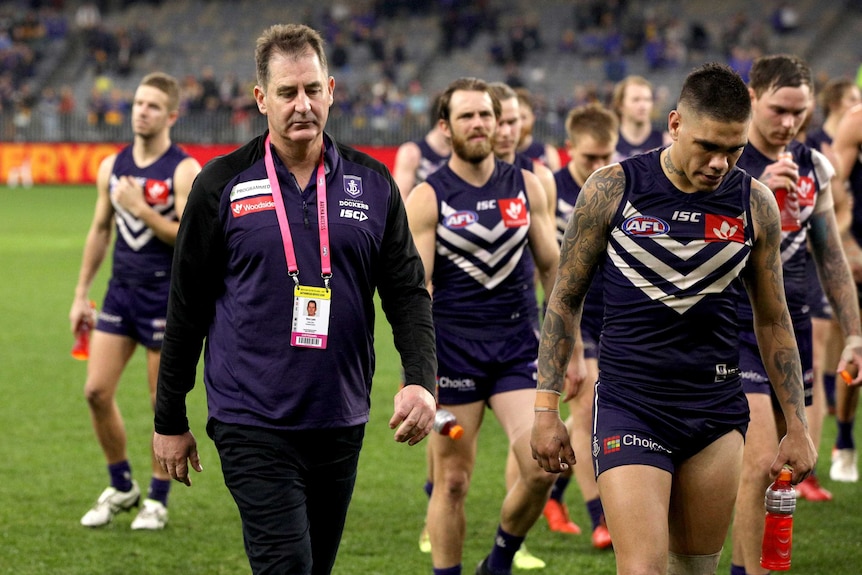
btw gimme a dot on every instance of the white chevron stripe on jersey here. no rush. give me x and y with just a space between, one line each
476 261
563 207
799 243
677 279
134 231
489 282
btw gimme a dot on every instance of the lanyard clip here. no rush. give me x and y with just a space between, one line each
326 278
295 276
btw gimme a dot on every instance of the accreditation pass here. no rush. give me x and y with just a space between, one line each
310 317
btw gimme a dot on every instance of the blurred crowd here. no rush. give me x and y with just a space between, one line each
388 97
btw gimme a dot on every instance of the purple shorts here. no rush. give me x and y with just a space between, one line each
754 378
632 429
135 310
471 369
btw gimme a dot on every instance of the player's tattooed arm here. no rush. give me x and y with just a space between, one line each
764 281
833 268
583 246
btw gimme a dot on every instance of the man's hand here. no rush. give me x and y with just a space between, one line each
128 194
796 450
175 452
415 408
550 442
851 359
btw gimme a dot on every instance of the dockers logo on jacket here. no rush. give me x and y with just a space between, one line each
353 186
251 197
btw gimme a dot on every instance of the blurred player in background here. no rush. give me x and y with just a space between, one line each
416 160
472 221
847 146
141 191
632 101
838 96
592 134
544 153
780 87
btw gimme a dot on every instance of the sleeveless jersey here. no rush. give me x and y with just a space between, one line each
817 138
482 277
815 172
429 163
671 285
567 194
626 149
138 253
524 162
535 152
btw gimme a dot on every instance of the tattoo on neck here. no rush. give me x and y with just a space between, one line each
668 164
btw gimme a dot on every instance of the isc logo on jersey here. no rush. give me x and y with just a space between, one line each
645 226
460 219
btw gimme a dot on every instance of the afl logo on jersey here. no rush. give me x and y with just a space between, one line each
645 226
460 219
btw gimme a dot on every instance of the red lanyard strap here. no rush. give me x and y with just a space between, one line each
281 214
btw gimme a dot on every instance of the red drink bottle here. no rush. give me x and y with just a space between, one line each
81 349
789 210
778 532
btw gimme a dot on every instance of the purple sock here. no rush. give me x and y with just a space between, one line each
456 570
737 569
503 553
159 489
429 487
559 488
596 512
829 387
845 435
121 475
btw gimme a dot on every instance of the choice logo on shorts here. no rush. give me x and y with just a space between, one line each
617 442
456 383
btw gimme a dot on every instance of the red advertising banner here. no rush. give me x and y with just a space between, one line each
78 163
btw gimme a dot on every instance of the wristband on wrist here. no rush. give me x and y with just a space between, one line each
545 410
547 399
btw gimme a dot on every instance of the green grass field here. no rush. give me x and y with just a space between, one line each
51 468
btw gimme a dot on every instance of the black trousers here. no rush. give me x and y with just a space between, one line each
292 489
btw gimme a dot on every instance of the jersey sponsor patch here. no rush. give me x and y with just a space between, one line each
252 206
806 190
156 192
514 212
641 225
723 229
249 189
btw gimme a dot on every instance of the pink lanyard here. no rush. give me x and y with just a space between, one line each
322 219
